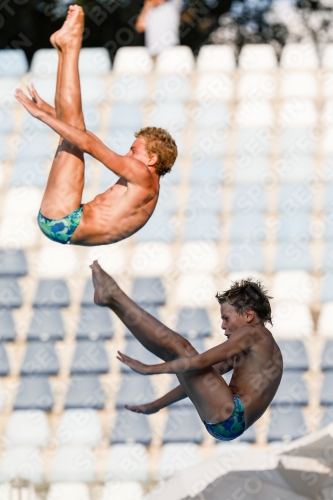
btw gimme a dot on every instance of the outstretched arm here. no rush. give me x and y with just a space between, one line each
171 397
134 171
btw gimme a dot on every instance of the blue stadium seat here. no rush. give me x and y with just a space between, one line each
10 293
52 293
202 199
286 425
90 357
202 226
209 114
95 323
249 436
246 257
120 140
206 170
294 355
293 227
13 62
35 145
293 256
136 350
248 226
327 417
29 172
171 88
149 291
40 359
46 324
297 140
88 295
249 198
251 169
4 150
326 396
134 390
34 393
326 293
126 115
92 118
151 309
295 198
327 356
171 116
129 89
298 168
4 362
159 228
183 426
85 391
13 263
167 201
6 120
193 323
327 259
7 326
212 141
292 390
131 427
254 141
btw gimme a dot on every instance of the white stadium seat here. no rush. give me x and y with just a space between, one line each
299 56
175 60
19 230
327 114
296 286
68 491
111 258
8 84
298 112
299 84
257 57
73 464
151 259
127 462
254 113
327 141
200 256
24 462
196 290
79 427
122 490
325 326
128 88
327 84
216 58
214 87
27 428
92 62
327 57
13 62
176 457
257 85
56 261
292 320
23 200
132 61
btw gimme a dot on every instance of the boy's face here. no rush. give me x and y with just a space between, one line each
231 321
138 151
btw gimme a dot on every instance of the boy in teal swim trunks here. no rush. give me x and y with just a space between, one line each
250 350
125 207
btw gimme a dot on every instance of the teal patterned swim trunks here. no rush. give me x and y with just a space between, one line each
231 428
60 230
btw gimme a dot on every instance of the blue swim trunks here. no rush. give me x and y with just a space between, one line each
231 428
60 230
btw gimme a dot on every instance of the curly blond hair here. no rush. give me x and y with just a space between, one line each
248 294
159 142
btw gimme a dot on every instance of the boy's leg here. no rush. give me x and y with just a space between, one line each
208 391
64 189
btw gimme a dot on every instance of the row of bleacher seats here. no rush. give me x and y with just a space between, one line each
95 61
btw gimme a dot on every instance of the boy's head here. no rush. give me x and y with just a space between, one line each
245 303
156 148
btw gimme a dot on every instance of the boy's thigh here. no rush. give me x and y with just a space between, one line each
209 393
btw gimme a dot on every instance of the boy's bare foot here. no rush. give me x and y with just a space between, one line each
70 35
105 286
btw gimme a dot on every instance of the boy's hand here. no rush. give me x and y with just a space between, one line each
134 364
29 105
146 409
44 106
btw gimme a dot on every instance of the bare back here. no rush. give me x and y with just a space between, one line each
117 213
257 374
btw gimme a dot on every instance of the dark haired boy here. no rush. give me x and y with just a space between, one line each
250 350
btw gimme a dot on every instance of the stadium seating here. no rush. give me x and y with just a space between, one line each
177 60
4 367
176 457
132 61
257 57
135 389
95 323
149 291
27 428
131 427
10 293
79 427
13 62
286 424
73 464
215 58
34 393
52 293
297 56
127 462
67 491
17 458
7 326
124 489
85 391
90 357
40 359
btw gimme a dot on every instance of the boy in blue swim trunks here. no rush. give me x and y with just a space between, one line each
125 207
250 351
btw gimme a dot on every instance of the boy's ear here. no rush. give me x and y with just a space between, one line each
249 313
152 160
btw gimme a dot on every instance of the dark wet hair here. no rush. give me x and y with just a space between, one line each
248 294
